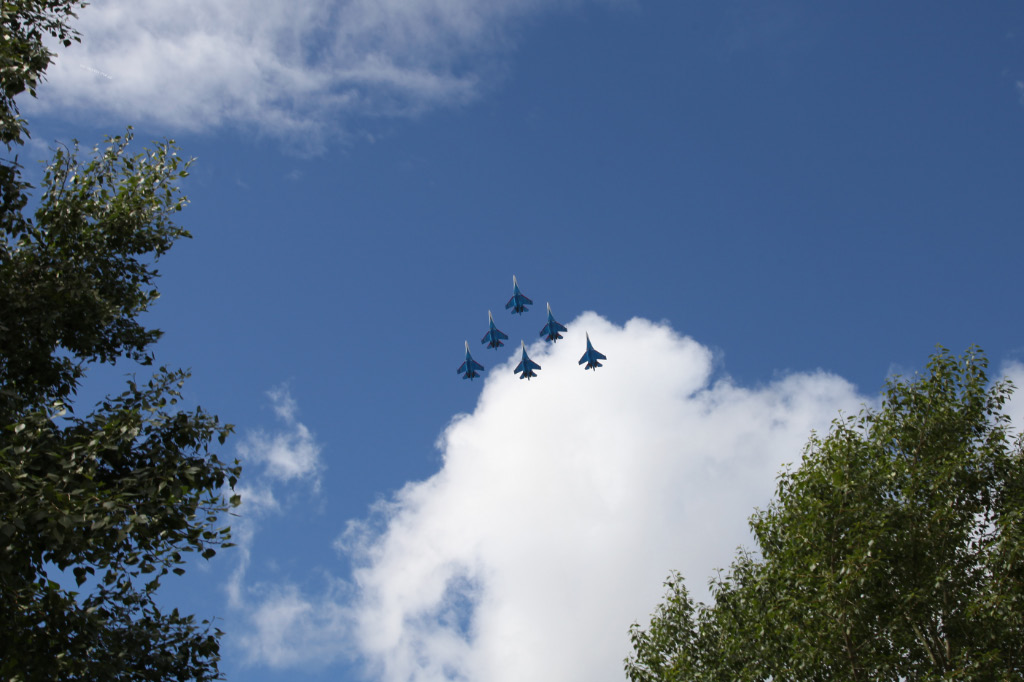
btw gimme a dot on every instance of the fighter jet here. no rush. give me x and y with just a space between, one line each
591 357
526 366
551 329
494 336
471 368
518 302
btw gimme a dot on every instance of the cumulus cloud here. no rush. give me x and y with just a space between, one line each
286 68
1014 371
286 628
563 503
274 463
281 626
284 455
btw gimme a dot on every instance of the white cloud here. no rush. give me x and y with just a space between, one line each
285 406
1014 371
287 68
561 505
288 629
564 502
277 461
258 499
285 455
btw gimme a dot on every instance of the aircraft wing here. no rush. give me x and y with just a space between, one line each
493 337
553 329
526 366
518 300
592 356
526 363
528 371
470 367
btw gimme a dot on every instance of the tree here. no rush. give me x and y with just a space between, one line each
94 510
894 551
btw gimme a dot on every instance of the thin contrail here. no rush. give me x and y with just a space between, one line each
97 71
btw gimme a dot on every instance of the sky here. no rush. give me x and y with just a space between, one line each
757 211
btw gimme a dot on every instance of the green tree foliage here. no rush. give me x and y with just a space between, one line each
23 56
895 551
94 510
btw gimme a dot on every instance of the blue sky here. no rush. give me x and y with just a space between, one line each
758 212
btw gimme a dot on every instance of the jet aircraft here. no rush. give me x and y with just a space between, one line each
518 302
526 366
470 368
494 335
551 329
591 357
